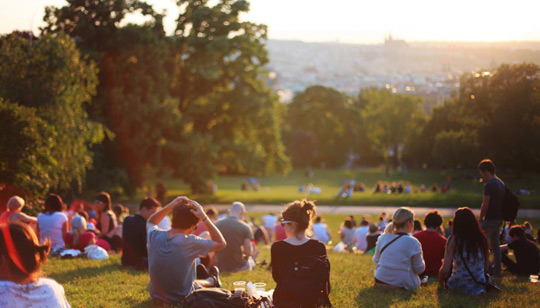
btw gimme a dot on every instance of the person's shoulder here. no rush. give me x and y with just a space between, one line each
316 243
278 245
48 282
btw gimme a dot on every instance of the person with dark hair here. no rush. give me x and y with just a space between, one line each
52 223
320 230
296 220
526 253
491 210
346 233
466 255
371 238
360 235
172 254
433 243
106 220
134 252
238 236
21 257
417 225
398 256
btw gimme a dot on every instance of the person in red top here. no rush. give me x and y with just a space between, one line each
80 237
433 243
279 232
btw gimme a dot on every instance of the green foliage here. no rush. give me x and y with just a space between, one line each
230 117
318 128
50 76
25 149
456 147
390 120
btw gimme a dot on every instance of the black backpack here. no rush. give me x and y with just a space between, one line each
219 298
305 283
510 206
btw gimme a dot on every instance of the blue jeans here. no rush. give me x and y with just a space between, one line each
492 228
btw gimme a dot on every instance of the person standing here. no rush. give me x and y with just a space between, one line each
491 210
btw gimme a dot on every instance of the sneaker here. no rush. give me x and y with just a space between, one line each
214 272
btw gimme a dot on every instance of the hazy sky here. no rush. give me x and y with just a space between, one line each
352 21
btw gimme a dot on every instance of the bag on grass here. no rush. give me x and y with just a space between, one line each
219 298
95 252
305 283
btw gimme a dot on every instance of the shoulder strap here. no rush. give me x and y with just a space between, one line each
402 234
469 271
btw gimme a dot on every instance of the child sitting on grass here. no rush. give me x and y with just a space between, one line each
13 214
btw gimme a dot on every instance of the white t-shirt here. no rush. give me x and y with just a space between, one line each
50 226
44 292
360 237
269 221
320 232
165 224
401 262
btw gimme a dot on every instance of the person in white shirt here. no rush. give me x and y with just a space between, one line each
360 235
21 257
269 222
320 230
52 224
398 255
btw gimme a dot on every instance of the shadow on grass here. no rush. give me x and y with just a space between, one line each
379 297
448 298
91 271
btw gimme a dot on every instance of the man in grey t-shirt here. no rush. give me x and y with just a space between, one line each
171 254
491 210
238 236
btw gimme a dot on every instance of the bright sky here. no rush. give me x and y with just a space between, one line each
351 21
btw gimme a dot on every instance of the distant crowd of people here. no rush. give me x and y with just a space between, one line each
188 251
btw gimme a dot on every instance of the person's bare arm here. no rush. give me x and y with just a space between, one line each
484 207
216 236
248 249
444 272
104 219
64 229
24 218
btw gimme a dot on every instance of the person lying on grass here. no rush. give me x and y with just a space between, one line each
172 254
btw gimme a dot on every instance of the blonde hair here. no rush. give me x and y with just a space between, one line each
15 203
78 227
400 217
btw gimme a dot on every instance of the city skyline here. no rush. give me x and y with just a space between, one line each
346 21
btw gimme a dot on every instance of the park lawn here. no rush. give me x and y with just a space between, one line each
90 283
466 189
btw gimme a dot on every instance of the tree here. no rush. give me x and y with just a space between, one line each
390 120
26 149
50 75
230 117
319 130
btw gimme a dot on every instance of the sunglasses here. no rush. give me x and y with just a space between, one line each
284 222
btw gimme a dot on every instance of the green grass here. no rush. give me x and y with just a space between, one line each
90 283
279 189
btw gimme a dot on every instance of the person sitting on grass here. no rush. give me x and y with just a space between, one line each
398 255
525 251
134 252
80 237
21 257
13 214
433 243
466 255
52 224
371 238
320 230
297 217
360 235
346 233
172 254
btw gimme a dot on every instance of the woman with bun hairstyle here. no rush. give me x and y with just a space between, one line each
467 247
21 257
296 219
398 255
